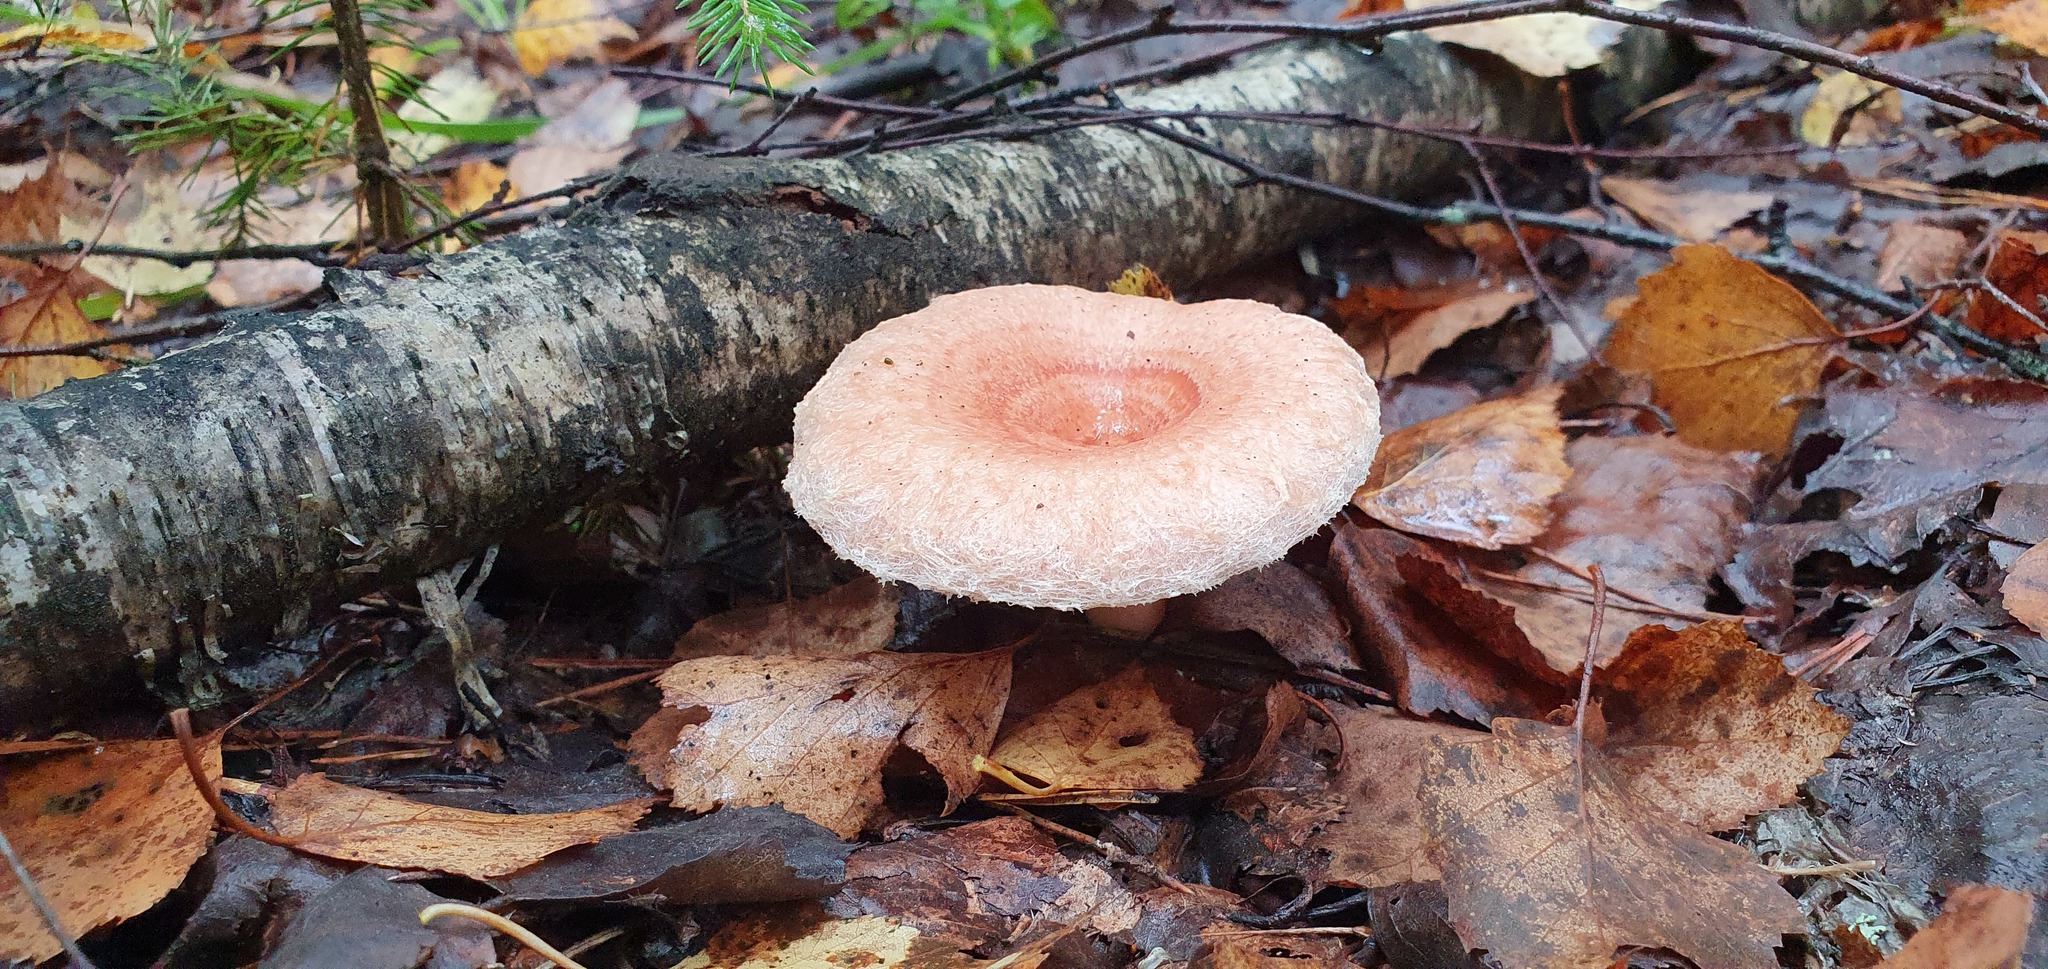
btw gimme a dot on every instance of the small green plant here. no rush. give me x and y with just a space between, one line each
1012 28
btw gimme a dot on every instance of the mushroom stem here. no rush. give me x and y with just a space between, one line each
1131 622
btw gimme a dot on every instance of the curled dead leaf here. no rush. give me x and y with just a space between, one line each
1481 476
1114 735
356 824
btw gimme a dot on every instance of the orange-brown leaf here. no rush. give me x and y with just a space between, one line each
1730 349
812 734
856 617
39 307
1695 215
1551 862
1113 735
1379 839
356 824
106 832
2019 270
1711 728
1980 927
2025 590
1480 476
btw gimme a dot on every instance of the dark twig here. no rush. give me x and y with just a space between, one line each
785 96
37 900
1805 50
174 330
483 212
317 253
1507 218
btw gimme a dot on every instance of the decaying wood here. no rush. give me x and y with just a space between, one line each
210 501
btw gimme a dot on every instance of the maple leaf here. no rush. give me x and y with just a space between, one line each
356 824
105 831
1729 348
1551 862
812 734
1482 475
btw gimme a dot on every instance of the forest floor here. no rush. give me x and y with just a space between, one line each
1795 521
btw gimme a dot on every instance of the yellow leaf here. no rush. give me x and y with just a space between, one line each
1730 349
1114 735
39 307
1876 106
2024 23
1544 44
1140 280
61 34
455 94
553 31
163 208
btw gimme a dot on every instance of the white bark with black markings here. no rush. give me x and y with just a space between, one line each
210 500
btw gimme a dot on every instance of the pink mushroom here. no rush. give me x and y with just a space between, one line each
1050 446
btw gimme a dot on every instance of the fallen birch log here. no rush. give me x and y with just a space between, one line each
213 500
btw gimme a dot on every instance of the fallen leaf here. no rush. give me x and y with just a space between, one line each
39 307
786 940
1481 476
1980 927
1285 607
1918 252
1379 839
812 734
1417 632
368 921
2019 270
357 824
1544 44
849 619
251 882
1228 946
1113 735
2022 22
1905 446
1710 728
95 35
2025 589
1839 92
1656 514
454 94
105 832
592 137
1140 280
1550 862
552 31
1730 349
1411 924
163 207
973 885
31 199
1692 214
475 183
730 856
1401 349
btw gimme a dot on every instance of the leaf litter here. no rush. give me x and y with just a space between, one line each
1829 478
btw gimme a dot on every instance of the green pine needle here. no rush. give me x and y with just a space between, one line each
736 31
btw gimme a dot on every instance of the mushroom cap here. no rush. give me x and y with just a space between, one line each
1051 446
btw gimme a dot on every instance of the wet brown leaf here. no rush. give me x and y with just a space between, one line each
2025 590
813 734
1379 839
105 831
1286 607
1113 735
1729 348
2019 269
1980 927
1692 214
1657 515
356 824
1907 446
1919 252
857 617
1551 862
787 940
1443 647
1481 476
1400 348
1709 727
972 885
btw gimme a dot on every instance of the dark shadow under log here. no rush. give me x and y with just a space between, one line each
212 500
